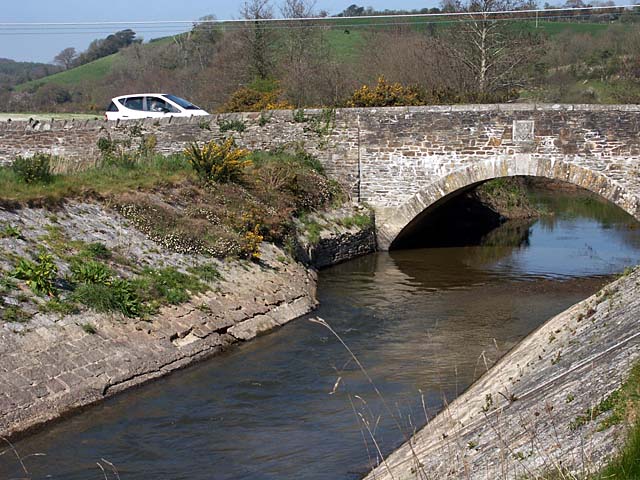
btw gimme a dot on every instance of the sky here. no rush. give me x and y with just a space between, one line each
41 45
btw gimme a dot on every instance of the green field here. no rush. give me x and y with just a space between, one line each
85 73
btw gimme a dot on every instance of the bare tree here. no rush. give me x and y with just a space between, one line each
66 58
305 53
258 37
489 47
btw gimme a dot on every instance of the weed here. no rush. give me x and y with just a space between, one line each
167 286
89 328
204 125
206 272
14 314
264 118
360 220
40 275
97 250
488 403
90 272
119 296
36 169
61 307
299 116
9 231
232 125
6 283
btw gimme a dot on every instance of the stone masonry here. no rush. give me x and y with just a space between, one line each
51 365
401 161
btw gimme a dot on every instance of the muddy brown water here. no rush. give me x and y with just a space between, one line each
424 323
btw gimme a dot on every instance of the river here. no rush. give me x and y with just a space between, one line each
295 405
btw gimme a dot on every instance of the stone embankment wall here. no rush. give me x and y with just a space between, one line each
400 160
339 236
51 365
520 419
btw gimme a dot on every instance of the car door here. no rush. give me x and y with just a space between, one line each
133 107
157 107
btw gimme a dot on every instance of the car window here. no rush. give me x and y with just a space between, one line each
183 103
112 107
155 104
133 103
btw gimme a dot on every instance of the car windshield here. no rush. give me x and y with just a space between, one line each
182 102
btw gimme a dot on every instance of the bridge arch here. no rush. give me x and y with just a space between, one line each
394 222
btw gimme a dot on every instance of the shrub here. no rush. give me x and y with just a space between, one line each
218 162
251 100
40 275
385 94
36 169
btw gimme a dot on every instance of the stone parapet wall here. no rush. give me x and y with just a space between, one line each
389 157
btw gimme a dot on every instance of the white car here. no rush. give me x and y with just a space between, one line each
151 105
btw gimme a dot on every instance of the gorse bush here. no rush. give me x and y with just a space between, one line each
215 162
251 100
40 275
385 94
36 169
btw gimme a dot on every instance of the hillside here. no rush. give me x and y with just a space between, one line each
14 73
562 60
89 72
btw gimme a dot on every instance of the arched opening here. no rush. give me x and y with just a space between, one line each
497 211
391 222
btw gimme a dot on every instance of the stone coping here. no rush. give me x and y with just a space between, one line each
286 115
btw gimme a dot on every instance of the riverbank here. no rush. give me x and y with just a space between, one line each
55 363
546 409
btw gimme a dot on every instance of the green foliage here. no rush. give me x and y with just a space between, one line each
215 162
232 125
90 272
118 296
264 119
9 231
105 179
40 275
206 272
299 116
89 328
97 250
59 306
360 220
167 286
36 169
14 314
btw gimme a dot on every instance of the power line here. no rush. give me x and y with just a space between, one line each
615 9
75 29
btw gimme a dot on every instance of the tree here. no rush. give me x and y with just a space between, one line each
258 38
66 58
352 11
491 49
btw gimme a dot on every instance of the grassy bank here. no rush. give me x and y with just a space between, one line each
182 203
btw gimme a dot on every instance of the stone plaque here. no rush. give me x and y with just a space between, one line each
523 130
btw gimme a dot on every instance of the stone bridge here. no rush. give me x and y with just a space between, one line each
403 161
